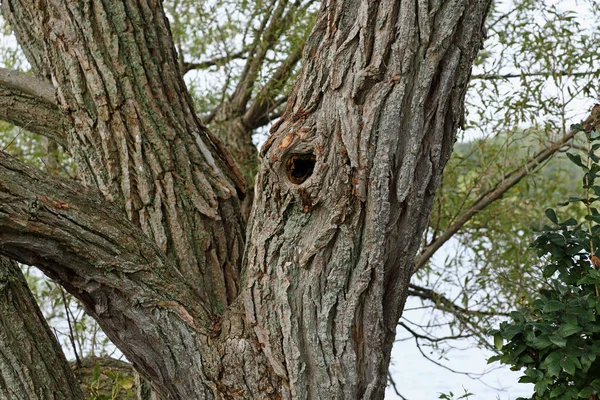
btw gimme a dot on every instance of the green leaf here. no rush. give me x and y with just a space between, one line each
557 391
498 342
577 127
553 305
549 270
551 215
557 340
540 387
596 384
569 222
568 366
576 158
511 331
585 393
541 342
567 330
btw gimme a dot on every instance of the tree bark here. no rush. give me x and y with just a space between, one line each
153 246
32 364
346 186
134 134
29 102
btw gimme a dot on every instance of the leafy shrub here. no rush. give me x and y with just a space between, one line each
556 338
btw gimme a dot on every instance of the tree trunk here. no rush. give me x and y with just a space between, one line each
32 364
347 183
153 246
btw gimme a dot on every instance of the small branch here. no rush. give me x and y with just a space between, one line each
429 338
188 66
393 383
533 74
506 182
71 334
439 364
264 103
445 303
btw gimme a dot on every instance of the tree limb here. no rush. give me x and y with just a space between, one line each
29 102
32 364
444 303
72 233
135 136
89 247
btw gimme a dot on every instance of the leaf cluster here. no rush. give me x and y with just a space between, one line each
555 339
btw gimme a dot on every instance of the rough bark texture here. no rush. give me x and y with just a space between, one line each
134 133
29 102
329 259
32 364
153 246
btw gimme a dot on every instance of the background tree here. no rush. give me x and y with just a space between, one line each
151 241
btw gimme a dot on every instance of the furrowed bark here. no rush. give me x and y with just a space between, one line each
145 306
29 103
122 278
134 133
32 364
346 186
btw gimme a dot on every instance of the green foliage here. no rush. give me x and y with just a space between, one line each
450 395
519 98
121 385
490 267
556 337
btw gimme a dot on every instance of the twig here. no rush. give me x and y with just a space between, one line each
188 66
71 335
532 74
428 294
393 383
504 184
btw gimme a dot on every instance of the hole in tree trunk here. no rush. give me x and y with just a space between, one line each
300 167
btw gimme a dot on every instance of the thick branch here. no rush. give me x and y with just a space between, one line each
29 102
32 364
121 277
507 181
135 136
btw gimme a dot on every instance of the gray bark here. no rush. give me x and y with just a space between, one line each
329 259
29 102
153 245
32 364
